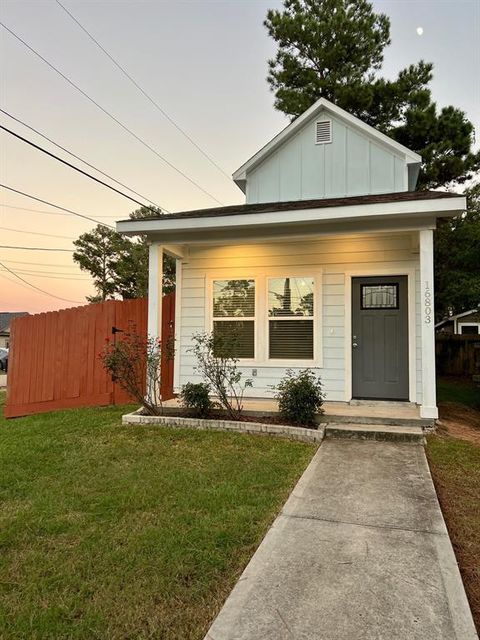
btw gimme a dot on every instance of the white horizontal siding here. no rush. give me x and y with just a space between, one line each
334 256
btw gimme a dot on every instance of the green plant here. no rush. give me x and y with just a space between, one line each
196 397
300 396
133 359
219 367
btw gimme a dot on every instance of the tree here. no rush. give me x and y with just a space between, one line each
457 260
334 49
118 265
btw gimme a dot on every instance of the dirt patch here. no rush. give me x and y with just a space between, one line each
459 421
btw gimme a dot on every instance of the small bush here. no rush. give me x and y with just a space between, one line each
300 396
217 364
196 397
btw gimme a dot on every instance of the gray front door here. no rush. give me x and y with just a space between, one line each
380 338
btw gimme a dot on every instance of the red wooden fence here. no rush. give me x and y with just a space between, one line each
53 359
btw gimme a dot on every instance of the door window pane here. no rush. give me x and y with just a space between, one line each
379 296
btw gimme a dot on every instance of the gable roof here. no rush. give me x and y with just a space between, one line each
7 317
456 317
239 176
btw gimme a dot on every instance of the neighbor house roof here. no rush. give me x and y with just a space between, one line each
320 203
7 317
456 317
320 105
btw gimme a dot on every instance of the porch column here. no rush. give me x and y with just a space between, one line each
155 282
429 396
180 254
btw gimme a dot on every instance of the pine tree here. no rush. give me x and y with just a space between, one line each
334 49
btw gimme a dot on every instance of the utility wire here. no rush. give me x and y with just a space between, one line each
144 93
45 137
72 166
132 133
8 246
36 233
56 206
41 275
51 213
43 264
34 286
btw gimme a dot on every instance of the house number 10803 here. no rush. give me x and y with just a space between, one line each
427 304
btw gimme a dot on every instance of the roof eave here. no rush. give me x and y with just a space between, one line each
434 208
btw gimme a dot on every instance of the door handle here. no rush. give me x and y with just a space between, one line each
355 345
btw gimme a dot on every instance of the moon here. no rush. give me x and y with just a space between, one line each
420 31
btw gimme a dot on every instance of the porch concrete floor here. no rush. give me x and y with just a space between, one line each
356 409
359 552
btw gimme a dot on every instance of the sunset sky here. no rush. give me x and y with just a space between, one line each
205 64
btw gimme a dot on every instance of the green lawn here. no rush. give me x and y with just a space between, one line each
455 466
458 390
129 532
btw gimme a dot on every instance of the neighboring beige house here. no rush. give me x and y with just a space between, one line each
328 265
5 321
466 323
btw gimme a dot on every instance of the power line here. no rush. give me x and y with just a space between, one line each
8 246
132 133
43 264
45 137
49 277
36 233
33 286
56 206
144 93
72 166
51 213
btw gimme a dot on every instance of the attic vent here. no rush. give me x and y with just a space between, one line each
323 132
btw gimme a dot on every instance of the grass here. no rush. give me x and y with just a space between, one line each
455 467
458 390
110 531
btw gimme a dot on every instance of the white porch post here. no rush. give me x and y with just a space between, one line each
429 396
155 290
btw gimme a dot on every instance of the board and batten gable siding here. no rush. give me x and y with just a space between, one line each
352 164
330 259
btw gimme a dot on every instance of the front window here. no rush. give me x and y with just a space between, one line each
291 318
234 317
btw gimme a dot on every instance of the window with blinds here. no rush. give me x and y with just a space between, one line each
291 318
234 318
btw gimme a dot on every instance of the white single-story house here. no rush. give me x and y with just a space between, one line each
465 323
328 264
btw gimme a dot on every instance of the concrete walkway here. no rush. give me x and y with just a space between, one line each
359 552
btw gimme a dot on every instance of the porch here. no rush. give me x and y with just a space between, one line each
356 412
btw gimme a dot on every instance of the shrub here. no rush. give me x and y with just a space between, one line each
300 396
219 368
196 397
133 359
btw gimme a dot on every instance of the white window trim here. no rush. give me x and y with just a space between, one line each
467 324
211 319
295 362
261 359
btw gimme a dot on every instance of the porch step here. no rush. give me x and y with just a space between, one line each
384 432
369 419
